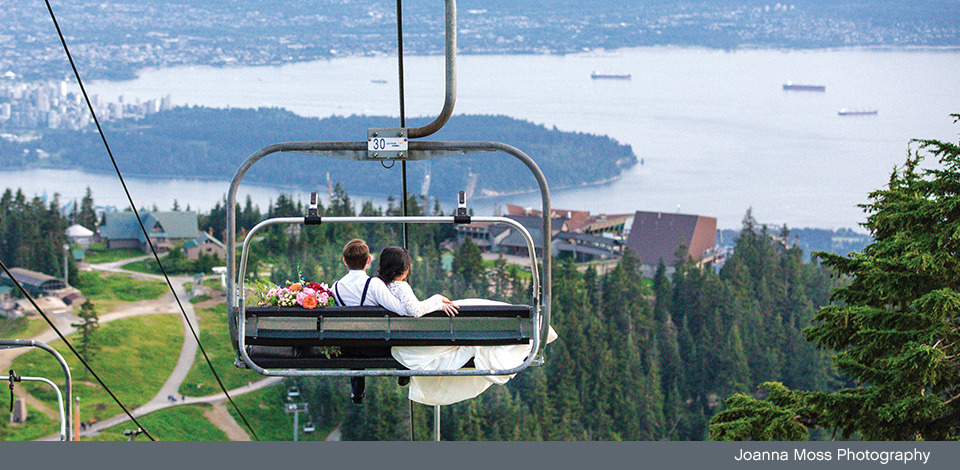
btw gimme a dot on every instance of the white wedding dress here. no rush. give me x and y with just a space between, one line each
445 390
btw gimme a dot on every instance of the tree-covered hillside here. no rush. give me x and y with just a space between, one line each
201 142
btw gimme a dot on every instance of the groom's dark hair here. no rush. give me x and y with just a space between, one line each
356 253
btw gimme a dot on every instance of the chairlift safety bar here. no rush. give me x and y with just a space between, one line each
358 151
241 292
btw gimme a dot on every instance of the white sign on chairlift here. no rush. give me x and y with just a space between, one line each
387 144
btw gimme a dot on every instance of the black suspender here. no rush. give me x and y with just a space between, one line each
363 297
366 286
336 293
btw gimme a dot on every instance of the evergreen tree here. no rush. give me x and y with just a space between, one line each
892 327
87 217
87 328
468 266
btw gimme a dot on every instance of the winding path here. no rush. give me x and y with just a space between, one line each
166 304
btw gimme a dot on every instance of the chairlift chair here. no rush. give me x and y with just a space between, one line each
284 341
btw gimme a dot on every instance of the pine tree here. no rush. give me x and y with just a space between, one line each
468 266
892 327
87 328
87 217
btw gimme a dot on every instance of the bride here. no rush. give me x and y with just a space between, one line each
395 264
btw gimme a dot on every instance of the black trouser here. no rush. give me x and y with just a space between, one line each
358 384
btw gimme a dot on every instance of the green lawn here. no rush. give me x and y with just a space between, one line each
107 290
177 423
97 256
215 339
38 425
141 266
136 356
22 328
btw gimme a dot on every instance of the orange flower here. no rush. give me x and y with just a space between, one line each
295 287
310 302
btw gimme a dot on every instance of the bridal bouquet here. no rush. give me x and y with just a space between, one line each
303 294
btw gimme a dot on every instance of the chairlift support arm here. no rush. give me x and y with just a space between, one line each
66 417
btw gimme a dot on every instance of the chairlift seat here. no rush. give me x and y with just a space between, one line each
289 337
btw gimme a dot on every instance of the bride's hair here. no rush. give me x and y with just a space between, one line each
394 261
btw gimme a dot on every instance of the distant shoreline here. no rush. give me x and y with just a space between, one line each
489 194
135 74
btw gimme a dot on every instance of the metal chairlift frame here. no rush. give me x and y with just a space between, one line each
66 414
405 150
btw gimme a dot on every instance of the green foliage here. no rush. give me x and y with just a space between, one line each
87 217
468 265
135 358
100 254
14 327
747 418
87 328
265 411
175 262
636 359
178 423
38 425
32 234
216 139
892 327
117 287
212 323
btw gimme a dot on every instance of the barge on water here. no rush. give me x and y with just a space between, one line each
790 86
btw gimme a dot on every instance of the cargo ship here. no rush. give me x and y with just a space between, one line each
790 86
609 76
848 112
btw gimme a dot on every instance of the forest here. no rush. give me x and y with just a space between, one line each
197 142
637 359
770 346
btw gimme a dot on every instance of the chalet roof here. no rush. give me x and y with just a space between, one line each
171 225
530 222
657 235
581 249
515 238
584 237
204 237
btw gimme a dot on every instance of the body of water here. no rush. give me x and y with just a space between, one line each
715 130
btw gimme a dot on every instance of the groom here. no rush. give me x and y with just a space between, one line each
355 289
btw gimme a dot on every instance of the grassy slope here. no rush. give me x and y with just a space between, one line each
136 356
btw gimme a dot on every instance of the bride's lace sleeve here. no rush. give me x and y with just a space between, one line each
411 305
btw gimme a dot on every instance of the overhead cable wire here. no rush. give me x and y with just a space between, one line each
140 221
403 117
403 166
72 349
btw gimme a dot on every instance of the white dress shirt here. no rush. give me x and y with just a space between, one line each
350 287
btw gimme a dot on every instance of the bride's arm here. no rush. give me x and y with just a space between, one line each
411 305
